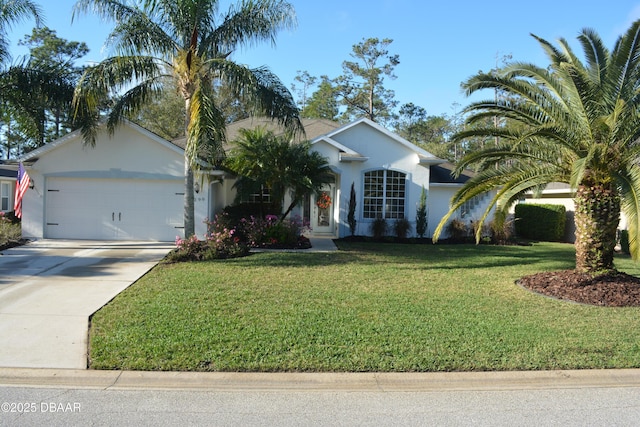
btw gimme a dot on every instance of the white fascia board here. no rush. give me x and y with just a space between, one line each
335 144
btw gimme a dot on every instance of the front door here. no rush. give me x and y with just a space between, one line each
322 210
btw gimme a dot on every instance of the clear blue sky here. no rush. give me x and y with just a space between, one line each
440 43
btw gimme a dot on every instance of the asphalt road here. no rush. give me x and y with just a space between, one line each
598 406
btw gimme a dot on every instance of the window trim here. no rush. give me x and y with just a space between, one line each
5 195
384 207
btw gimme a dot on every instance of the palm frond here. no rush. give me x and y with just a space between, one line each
249 22
133 100
11 13
206 132
555 55
100 83
107 10
596 54
140 35
629 182
262 91
624 69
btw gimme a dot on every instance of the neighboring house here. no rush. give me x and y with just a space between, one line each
8 174
130 186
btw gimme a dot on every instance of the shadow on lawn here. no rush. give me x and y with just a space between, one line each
425 257
471 256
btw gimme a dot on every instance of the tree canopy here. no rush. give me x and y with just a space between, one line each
189 42
55 57
262 159
570 121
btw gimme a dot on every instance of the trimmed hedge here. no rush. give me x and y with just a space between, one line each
544 222
624 241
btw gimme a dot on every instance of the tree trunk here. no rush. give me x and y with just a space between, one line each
597 215
189 199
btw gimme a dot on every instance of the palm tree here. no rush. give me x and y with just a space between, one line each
50 87
12 12
18 79
571 122
265 160
188 42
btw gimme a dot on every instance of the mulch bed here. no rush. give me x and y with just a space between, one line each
613 289
13 244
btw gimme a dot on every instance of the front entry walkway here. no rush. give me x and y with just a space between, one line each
322 244
50 288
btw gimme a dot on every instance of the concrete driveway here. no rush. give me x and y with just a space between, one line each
49 288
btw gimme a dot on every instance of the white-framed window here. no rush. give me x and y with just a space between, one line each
384 194
263 196
5 196
469 205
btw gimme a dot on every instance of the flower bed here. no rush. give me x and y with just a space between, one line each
229 238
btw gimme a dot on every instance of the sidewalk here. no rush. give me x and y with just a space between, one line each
322 244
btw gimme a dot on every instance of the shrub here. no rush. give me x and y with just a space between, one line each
257 231
272 232
235 213
351 216
378 228
402 227
227 238
421 214
191 249
485 233
624 241
217 245
457 230
11 217
10 229
501 229
545 222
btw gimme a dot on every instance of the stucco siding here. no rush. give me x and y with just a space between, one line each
130 154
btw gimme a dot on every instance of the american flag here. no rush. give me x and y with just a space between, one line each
21 187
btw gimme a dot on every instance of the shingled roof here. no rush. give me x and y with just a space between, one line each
443 174
7 171
312 127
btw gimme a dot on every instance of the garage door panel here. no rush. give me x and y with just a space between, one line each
113 209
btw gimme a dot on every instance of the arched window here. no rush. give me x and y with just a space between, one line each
384 194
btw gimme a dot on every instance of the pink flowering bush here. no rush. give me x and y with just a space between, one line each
267 232
218 244
229 238
270 232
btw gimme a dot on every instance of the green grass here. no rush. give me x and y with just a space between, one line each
368 307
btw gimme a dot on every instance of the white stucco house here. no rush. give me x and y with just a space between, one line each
130 186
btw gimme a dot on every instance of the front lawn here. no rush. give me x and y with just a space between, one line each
368 307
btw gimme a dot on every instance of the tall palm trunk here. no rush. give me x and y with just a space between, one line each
597 215
189 199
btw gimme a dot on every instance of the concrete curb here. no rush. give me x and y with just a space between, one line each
321 382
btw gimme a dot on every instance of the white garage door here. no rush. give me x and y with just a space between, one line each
113 209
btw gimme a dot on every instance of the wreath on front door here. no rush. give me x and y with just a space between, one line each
324 201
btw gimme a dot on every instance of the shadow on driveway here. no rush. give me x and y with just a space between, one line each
49 288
